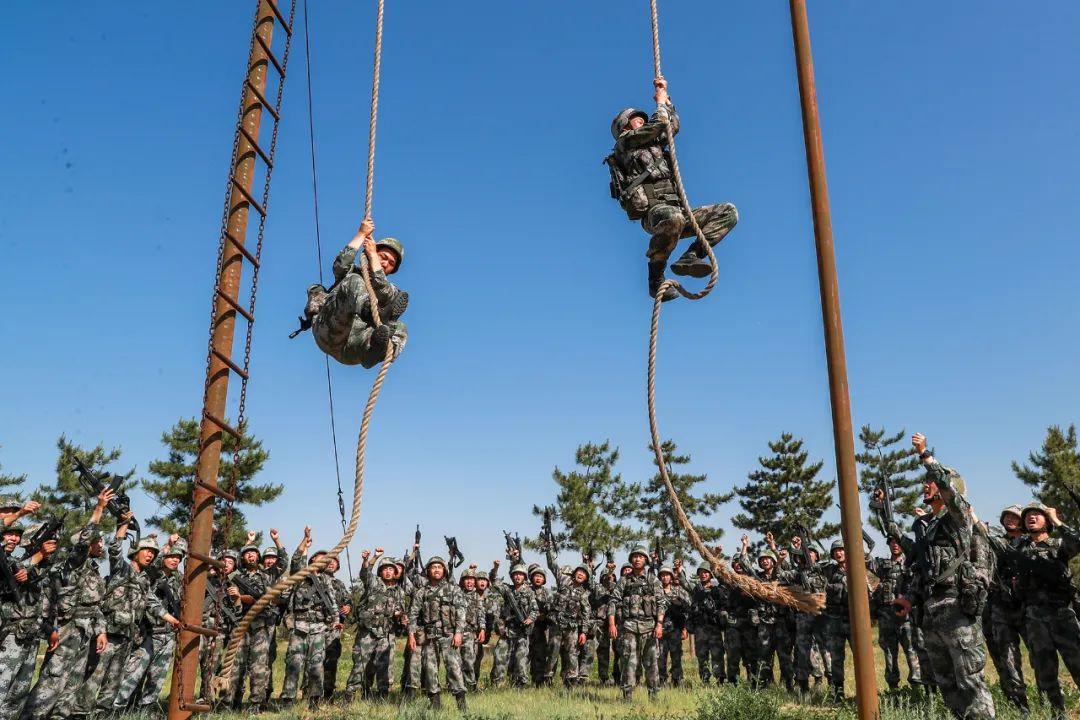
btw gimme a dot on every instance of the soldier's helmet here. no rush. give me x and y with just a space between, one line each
246 548
623 117
271 551
639 550
230 553
434 560
703 569
537 570
836 545
147 543
470 573
625 567
519 568
384 561
14 528
771 555
585 569
9 502
178 548
1011 510
666 569
393 245
1033 508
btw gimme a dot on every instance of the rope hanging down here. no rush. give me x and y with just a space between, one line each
769 592
228 664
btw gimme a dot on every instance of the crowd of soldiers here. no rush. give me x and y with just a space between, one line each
950 588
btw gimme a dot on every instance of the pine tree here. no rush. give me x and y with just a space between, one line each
657 516
67 497
176 476
785 493
1054 467
593 503
879 459
10 484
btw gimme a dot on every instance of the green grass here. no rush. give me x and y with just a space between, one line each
687 703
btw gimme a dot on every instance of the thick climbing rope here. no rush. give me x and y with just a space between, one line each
224 680
769 592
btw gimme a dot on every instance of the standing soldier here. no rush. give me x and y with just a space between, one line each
275 560
341 596
837 623
75 594
519 613
642 603
570 624
380 614
247 585
475 627
314 613
644 184
761 636
21 613
947 584
221 612
439 609
893 632
599 598
810 653
1003 624
707 620
675 632
540 637
488 613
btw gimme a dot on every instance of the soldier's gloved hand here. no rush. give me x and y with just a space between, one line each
54 641
102 643
457 640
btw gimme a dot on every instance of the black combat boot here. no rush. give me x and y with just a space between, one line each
436 701
408 695
462 706
380 339
628 696
656 277
693 263
397 308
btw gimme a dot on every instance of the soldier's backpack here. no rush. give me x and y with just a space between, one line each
621 187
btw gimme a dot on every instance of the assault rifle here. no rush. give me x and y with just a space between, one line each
48 530
609 556
243 585
94 485
661 556
456 558
512 602
512 543
324 598
1071 493
883 506
416 537
549 535
8 585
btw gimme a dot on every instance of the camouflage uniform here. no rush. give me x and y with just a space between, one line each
129 602
513 635
599 596
75 592
570 620
810 647
253 656
649 193
741 636
643 603
893 632
382 612
945 583
20 634
707 620
313 610
149 662
275 613
1003 624
475 622
440 611
671 644
764 634
412 665
837 623
344 326
221 613
540 634
340 593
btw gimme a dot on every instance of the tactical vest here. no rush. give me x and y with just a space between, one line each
638 601
1044 579
436 612
566 607
381 605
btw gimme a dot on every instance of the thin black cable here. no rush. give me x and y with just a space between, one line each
319 256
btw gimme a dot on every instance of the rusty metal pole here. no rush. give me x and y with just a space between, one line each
186 669
843 437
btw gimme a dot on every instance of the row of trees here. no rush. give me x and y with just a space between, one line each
170 483
598 510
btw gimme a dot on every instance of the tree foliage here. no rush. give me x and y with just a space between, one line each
66 496
881 458
175 477
785 492
657 516
1052 468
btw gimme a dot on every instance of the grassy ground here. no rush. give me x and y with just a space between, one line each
687 703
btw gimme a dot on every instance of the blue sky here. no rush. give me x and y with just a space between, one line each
951 142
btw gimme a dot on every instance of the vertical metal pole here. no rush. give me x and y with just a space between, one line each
843 437
186 671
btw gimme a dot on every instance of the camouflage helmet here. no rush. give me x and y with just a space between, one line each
771 555
837 544
469 573
231 554
393 245
623 118
434 560
385 561
13 528
955 479
95 534
639 550
625 567
178 548
1011 510
248 548
1034 507
585 569
270 551
665 569
535 569
703 568
147 543
519 568
10 502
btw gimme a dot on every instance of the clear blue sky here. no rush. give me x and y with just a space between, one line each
952 146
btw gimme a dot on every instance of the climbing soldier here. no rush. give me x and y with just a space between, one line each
643 182
341 319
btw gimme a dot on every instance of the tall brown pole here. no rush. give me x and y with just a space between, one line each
843 438
186 671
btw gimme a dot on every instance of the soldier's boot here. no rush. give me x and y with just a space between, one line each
656 277
462 706
380 339
436 701
653 694
408 696
693 262
628 696
314 703
397 308
836 693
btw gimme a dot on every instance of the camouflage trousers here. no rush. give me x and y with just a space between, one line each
710 651
765 641
893 634
63 672
667 223
439 650
670 657
372 657
511 658
146 667
412 667
607 663
539 647
810 658
340 331
563 646
586 656
837 638
106 673
1052 631
481 652
639 649
253 662
738 649
468 651
304 660
330 664
957 655
1003 627
17 661
271 639
918 638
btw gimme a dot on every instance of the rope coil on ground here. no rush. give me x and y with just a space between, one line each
224 679
769 592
